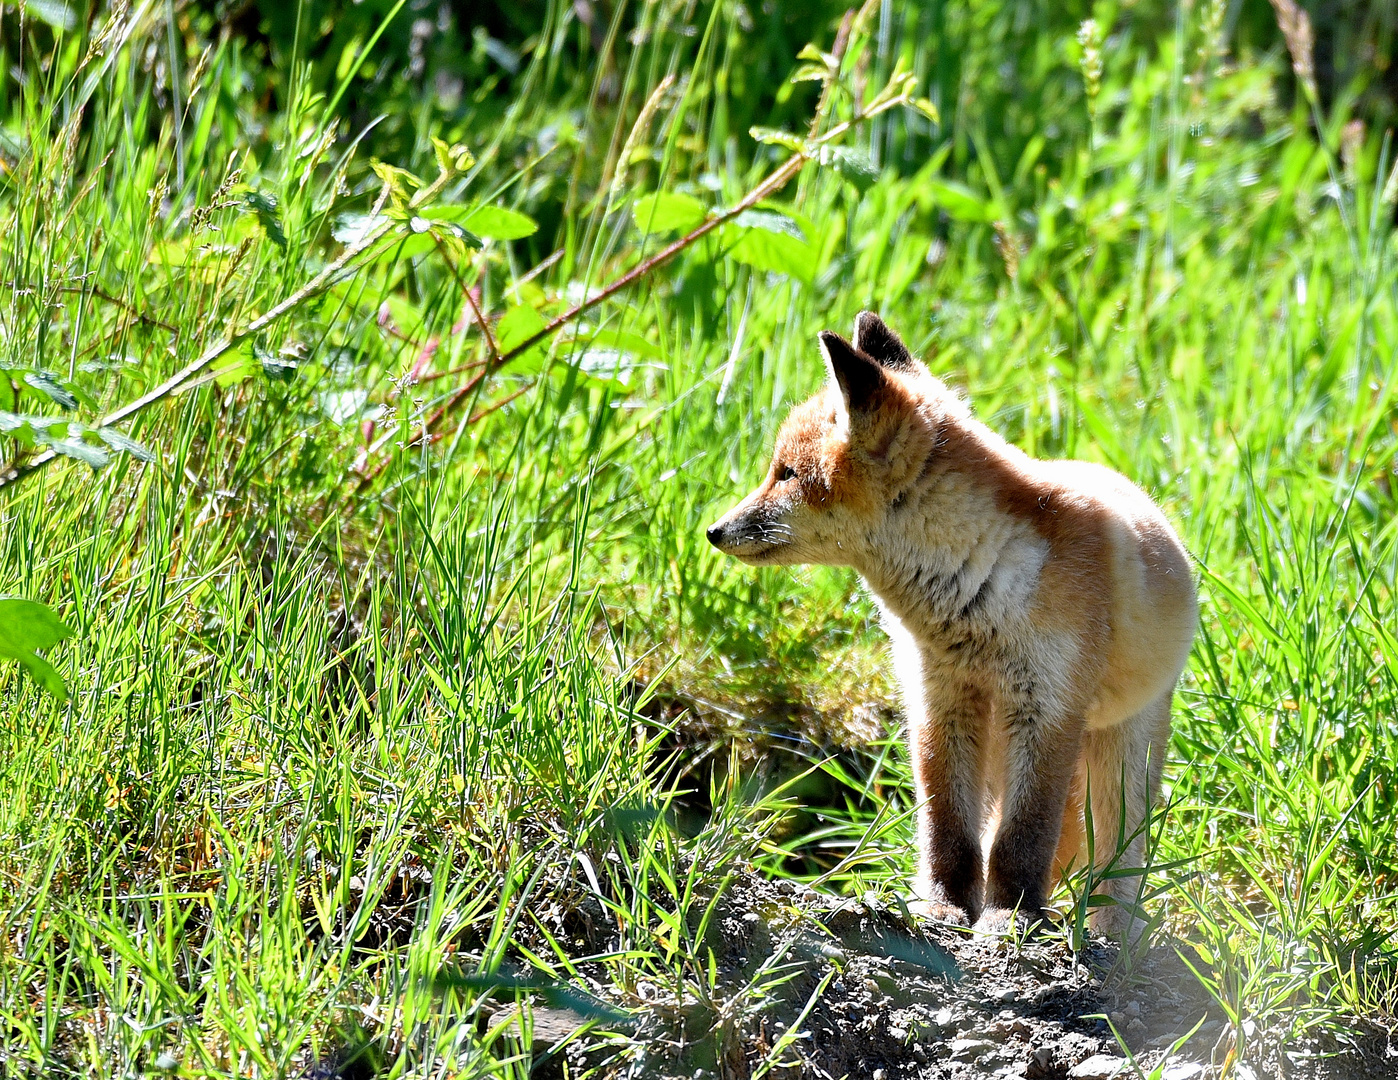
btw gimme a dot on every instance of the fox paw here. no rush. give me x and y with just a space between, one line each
949 914
1119 924
1020 923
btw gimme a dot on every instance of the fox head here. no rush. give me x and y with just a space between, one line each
843 458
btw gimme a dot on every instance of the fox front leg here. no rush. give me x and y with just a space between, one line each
947 744
1040 758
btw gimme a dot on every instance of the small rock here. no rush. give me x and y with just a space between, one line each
1182 1070
879 1074
943 1019
1009 993
898 1034
1097 1067
969 1049
1133 1010
1135 1026
1042 1057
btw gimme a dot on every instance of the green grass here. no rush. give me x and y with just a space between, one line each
346 708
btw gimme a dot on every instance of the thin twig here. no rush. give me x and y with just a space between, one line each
92 290
774 182
466 292
317 285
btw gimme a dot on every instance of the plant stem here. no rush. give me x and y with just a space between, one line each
313 288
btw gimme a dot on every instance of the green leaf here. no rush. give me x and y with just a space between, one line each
607 367
770 220
517 325
79 449
264 205
768 240
854 165
811 73
20 427
451 228
777 137
492 222
54 12
777 252
455 158
350 229
278 368
50 387
26 625
929 110
124 443
959 201
626 342
665 211
236 372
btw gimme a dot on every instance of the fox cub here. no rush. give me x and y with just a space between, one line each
1040 613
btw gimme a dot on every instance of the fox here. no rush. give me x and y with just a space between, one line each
1040 615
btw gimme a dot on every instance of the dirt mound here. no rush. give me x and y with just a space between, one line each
803 985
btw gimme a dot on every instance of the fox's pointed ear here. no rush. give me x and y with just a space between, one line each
856 375
872 336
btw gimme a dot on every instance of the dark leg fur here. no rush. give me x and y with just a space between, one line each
948 756
1040 765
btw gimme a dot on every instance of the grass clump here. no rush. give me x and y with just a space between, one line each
386 654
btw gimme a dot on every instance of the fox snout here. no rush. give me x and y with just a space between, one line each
747 535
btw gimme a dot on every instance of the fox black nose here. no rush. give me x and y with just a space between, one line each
714 533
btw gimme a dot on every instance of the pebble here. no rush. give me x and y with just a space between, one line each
1097 1067
1182 1070
969 1049
944 1018
1006 1029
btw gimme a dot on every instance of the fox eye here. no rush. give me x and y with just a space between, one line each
788 473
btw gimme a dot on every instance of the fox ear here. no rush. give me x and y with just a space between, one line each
872 336
858 377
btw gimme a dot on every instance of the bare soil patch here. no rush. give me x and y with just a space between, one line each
869 993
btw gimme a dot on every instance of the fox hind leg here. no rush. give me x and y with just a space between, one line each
1040 761
1071 840
1124 764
